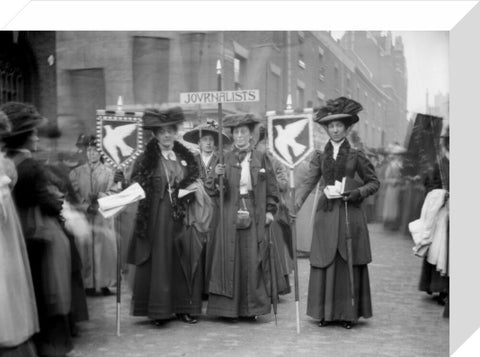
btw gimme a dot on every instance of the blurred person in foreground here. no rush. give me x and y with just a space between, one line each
91 181
39 209
434 276
329 293
18 309
240 276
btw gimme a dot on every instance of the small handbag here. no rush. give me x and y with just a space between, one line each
244 221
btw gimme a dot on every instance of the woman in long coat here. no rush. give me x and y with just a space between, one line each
329 293
99 255
206 136
18 309
240 281
47 245
161 288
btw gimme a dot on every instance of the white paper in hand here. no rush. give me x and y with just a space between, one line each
111 205
333 191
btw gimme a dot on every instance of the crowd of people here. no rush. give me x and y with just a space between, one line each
185 243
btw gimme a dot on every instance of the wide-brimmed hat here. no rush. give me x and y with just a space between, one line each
23 118
343 109
210 128
235 120
154 118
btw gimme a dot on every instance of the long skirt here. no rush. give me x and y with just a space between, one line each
329 295
26 349
431 280
99 254
160 288
18 309
250 297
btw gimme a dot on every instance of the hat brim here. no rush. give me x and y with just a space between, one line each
28 126
193 136
344 118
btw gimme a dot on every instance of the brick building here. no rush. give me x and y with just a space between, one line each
90 70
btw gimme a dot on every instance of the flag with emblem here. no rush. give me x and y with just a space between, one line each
120 137
291 137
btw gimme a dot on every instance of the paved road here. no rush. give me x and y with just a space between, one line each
405 322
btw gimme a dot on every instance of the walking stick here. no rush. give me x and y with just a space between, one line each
119 271
273 273
294 243
349 255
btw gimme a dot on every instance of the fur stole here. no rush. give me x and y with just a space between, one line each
334 170
143 173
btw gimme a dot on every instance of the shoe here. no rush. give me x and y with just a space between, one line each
347 324
322 323
229 319
250 318
106 292
159 322
91 292
187 318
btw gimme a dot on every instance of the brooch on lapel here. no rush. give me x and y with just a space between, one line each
183 162
262 173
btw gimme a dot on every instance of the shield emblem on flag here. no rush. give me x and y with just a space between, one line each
290 137
119 137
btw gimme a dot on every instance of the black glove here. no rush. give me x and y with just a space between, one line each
93 208
119 177
353 196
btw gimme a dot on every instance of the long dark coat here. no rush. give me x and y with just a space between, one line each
265 191
329 227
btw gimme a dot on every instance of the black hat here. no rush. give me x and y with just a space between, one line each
154 118
23 118
235 120
85 140
210 128
342 109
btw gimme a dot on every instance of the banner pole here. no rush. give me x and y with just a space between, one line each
294 243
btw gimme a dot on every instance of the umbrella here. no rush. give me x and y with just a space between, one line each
349 255
273 273
189 247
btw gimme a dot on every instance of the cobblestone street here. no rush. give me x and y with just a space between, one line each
405 322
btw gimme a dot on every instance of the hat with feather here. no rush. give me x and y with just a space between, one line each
343 109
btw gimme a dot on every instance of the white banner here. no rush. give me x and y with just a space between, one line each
247 95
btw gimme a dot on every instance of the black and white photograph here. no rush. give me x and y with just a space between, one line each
224 192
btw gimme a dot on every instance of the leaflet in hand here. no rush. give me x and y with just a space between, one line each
337 190
333 191
183 192
113 204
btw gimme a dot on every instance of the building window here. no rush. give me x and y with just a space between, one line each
301 64
300 97
239 71
11 84
87 88
321 53
151 68
274 91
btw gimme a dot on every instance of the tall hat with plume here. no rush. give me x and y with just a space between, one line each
343 109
